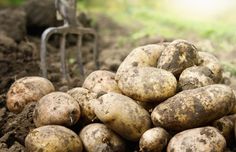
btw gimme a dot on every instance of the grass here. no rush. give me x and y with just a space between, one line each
154 20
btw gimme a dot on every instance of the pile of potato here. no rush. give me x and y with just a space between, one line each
164 97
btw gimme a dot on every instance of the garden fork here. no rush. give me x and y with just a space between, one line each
67 10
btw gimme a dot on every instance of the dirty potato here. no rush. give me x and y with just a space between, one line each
97 138
56 108
85 98
123 115
210 61
234 100
144 56
205 139
53 138
193 108
25 90
154 140
226 127
101 82
177 56
195 77
148 84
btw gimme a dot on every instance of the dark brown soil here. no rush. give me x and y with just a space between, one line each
20 31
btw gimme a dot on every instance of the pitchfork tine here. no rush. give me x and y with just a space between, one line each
79 55
45 36
95 52
63 58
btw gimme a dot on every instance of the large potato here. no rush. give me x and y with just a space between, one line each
98 138
25 90
205 139
123 115
56 108
85 99
53 138
148 84
193 108
195 77
101 82
144 56
154 140
210 61
177 56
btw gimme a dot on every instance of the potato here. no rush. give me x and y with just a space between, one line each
123 115
85 98
53 138
226 127
205 139
210 61
148 84
98 138
234 100
144 56
195 77
193 108
154 140
25 90
56 108
101 82
177 56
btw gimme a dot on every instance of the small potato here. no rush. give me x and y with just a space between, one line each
195 77
210 61
101 82
177 56
56 108
123 115
53 138
226 127
205 139
147 84
25 90
98 138
144 56
154 140
85 99
194 108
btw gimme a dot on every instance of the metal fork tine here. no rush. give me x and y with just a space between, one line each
43 50
79 55
95 52
63 57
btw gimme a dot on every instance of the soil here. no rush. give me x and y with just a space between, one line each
20 31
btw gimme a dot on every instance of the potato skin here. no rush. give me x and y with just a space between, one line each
193 108
234 100
195 77
97 138
25 90
123 115
210 61
205 139
177 56
154 140
56 108
144 56
101 82
148 84
85 99
226 127
53 138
